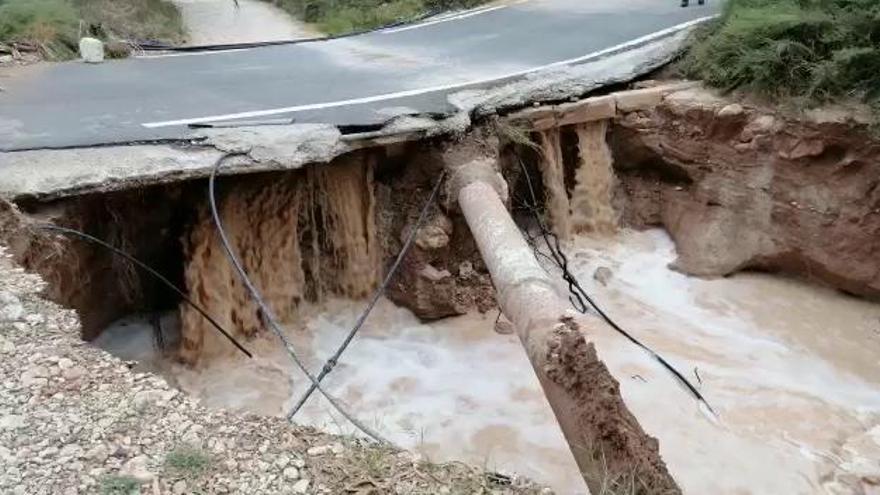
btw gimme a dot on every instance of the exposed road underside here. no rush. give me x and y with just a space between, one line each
355 81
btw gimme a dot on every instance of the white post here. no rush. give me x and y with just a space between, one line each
91 50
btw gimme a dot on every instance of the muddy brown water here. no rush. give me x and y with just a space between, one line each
792 370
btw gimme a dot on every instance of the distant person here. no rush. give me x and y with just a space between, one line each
685 3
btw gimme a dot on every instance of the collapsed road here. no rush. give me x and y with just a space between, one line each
357 81
316 212
318 209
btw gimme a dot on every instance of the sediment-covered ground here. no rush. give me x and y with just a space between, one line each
224 21
74 419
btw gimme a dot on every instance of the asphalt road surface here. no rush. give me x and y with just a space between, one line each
358 80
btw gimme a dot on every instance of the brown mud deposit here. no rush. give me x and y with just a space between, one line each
740 187
607 442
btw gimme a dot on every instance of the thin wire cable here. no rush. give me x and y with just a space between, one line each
579 295
333 361
151 271
270 316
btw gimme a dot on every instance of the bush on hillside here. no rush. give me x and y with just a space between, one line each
55 25
819 50
49 24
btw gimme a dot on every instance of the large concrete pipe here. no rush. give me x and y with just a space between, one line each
606 440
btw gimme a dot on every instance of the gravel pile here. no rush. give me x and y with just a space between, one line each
74 419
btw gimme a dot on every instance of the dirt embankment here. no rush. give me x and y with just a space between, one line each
443 274
741 187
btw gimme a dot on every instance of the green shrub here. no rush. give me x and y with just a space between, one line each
49 24
818 50
188 461
55 25
119 485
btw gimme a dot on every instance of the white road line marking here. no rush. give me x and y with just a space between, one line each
455 17
432 89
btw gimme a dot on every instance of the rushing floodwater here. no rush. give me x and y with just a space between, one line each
792 370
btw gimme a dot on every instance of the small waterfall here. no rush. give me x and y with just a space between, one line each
553 175
347 262
591 208
300 236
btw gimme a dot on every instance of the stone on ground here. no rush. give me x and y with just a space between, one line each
91 50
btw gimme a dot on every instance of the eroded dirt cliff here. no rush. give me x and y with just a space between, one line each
443 274
741 187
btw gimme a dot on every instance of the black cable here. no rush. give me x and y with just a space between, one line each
270 316
579 295
151 271
333 361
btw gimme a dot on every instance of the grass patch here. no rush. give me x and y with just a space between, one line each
54 26
188 462
346 16
119 485
814 51
49 24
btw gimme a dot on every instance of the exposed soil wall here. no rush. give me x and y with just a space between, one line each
102 287
77 420
443 274
739 187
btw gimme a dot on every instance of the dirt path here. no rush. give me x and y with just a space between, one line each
219 21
